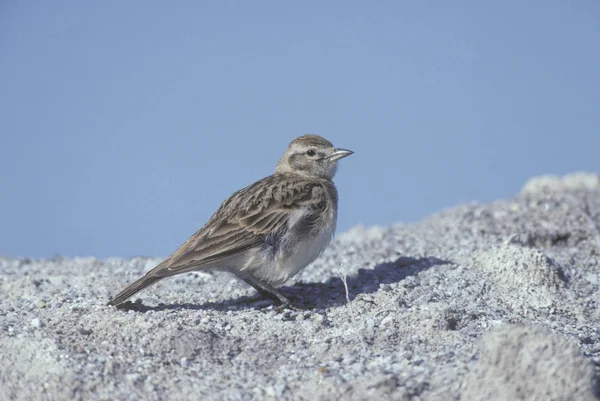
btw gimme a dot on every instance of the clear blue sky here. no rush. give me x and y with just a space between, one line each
124 124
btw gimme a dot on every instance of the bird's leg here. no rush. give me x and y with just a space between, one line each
268 291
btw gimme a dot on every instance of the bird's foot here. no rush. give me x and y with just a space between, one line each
287 304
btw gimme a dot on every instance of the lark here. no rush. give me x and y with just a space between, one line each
269 231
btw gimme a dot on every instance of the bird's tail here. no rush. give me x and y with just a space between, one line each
134 288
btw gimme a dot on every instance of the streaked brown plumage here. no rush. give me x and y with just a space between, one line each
269 231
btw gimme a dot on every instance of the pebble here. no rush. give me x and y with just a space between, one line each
133 377
386 320
592 278
36 323
318 319
85 332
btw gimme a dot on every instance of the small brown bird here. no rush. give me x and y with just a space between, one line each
269 231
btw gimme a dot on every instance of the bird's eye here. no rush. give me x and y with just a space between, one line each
311 152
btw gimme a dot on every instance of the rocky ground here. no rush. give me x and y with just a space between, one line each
480 302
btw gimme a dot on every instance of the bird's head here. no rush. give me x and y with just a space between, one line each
311 156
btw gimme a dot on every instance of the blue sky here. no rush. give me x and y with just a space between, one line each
124 125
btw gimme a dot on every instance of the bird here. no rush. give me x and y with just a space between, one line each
268 231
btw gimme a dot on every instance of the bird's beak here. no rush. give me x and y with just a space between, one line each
340 154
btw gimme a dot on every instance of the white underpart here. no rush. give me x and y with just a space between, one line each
305 251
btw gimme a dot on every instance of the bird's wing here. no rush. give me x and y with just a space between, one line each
243 221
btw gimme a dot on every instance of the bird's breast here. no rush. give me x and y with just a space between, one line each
305 240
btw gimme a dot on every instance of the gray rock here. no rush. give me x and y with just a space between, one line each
529 364
422 298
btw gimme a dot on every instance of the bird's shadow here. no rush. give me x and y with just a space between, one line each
331 293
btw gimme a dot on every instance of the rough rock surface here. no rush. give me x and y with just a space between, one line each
538 365
487 302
